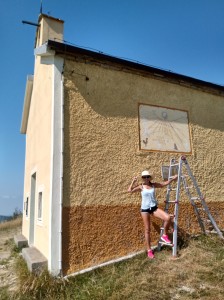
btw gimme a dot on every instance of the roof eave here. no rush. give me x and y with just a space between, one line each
26 104
65 49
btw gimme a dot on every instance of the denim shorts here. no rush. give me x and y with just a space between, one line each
150 210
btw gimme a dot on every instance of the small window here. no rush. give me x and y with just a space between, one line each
40 205
26 206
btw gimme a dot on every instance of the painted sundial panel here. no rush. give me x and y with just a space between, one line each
163 129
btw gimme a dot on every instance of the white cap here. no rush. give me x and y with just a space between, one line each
146 173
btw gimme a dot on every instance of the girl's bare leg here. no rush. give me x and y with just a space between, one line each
146 221
159 213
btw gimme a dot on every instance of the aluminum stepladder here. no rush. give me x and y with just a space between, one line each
201 209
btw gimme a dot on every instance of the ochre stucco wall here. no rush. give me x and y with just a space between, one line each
38 153
101 221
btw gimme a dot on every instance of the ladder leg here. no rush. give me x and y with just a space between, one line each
193 204
201 202
173 165
176 210
172 162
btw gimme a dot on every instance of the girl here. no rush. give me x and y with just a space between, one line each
149 206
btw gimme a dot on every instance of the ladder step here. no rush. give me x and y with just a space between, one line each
163 243
175 164
170 201
195 198
211 231
172 189
189 187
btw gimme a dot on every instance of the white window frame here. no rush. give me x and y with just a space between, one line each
40 192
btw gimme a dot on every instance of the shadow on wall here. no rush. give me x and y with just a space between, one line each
114 93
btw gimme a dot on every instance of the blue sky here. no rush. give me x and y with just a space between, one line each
185 37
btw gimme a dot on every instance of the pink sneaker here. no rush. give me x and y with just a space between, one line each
165 239
150 254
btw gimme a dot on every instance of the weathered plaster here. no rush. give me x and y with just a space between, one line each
101 155
95 234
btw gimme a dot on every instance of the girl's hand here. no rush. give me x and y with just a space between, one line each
175 177
136 188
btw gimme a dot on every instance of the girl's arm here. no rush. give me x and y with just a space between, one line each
132 189
165 183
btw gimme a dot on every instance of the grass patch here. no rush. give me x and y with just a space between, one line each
4 295
4 262
196 274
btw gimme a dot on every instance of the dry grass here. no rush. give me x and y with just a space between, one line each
12 224
196 274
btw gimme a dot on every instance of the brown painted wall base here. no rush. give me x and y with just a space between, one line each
95 234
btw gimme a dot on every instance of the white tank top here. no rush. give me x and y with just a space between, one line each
148 198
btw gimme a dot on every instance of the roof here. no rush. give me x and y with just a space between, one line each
66 49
